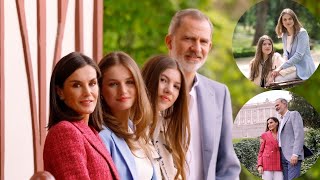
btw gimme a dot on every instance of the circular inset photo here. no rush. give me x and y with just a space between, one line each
277 134
276 45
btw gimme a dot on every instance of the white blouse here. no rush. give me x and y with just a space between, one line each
144 165
289 43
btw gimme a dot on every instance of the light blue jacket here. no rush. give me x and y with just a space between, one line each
121 155
300 55
215 117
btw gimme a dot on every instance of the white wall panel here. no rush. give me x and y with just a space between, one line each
18 132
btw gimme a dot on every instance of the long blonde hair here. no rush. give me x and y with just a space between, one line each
176 117
258 60
280 29
140 113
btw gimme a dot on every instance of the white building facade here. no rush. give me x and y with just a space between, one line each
251 120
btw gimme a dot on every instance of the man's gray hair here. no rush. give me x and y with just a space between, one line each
284 101
193 13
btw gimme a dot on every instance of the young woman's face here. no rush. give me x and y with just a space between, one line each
169 88
80 91
272 124
266 47
118 88
287 21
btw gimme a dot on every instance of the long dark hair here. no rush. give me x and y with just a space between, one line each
58 109
258 60
176 117
275 120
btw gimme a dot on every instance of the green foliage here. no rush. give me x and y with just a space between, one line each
247 152
308 20
309 115
244 52
234 141
312 141
246 175
221 66
137 28
239 52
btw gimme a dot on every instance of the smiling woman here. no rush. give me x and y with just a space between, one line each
80 92
264 61
73 149
127 115
296 47
269 164
166 85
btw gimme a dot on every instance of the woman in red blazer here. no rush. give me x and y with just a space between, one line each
269 164
73 149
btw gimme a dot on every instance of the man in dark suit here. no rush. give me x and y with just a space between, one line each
211 154
291 139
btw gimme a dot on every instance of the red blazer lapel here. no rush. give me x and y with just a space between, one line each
272 139
93 138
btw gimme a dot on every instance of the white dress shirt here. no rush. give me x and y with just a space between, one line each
194 154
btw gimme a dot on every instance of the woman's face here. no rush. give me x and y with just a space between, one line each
169 88
272 125
118 88
80 91
287 21
266 47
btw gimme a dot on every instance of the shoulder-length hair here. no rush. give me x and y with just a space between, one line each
58 109
140 113
176 117
258 60
280 29
275 120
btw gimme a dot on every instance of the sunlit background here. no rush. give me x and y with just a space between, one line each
139 29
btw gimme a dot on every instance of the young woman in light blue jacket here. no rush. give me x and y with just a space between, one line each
127 115
296 48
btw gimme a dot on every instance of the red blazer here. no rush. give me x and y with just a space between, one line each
269 153
73 150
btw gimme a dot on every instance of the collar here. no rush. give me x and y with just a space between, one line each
195 82
284 114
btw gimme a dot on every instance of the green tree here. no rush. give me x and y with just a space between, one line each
247 152
261 13
137 28
266 14
309 115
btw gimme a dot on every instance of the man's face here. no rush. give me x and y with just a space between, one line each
190 44
281 108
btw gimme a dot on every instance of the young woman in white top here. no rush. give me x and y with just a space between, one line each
166 85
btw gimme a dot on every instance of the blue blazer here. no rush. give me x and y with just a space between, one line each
300 55
121 155
215 114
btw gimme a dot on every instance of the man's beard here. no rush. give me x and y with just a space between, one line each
188 67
